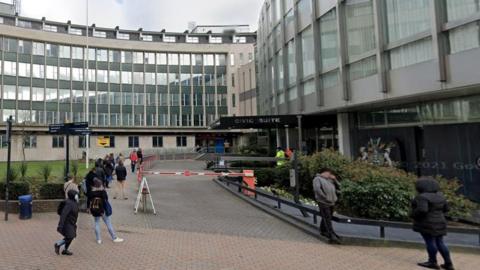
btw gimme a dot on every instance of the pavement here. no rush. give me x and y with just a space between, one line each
198 226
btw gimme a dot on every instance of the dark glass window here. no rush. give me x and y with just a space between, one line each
157 141
133 142
58 142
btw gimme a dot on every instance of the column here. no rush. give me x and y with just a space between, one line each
344 139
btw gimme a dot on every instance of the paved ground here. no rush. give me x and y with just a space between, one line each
198 226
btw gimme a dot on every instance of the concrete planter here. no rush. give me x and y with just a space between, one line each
39 206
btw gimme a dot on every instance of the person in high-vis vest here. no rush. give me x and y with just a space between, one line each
281 156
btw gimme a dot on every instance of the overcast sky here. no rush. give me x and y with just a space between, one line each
173 15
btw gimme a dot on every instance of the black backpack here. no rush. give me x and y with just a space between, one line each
60 207
96 207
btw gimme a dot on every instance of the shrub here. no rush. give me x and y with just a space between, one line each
45 172
15 189
23 170
51 191
13 174
75 169
251 164
279 176
460 207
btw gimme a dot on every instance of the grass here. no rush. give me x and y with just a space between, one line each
33 171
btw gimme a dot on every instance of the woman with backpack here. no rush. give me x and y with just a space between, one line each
428 212
67 225
100 208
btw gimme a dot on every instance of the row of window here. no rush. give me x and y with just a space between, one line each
124 36
30 141
112 56
174 119
111 76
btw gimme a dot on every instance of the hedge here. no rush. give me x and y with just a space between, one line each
15 189
51 191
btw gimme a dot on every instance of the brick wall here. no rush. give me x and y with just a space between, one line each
39 206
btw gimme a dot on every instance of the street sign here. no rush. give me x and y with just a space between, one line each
103 141
76 128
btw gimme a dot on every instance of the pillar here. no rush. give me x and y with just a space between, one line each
344 138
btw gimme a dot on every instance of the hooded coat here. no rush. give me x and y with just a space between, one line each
429 208
67 226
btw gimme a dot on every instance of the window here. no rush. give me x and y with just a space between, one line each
304 13
149 78
192 39
157 141
38 48
292 93
112 141
208 60
124 36
359 27
38 94
459 9
169 39
234 101
75 31
77 74
114 56
102 76
172 59
24 24
147 37
363 68
50 28
102 55
162 78
412 53
127 57
150 58
77 53
126 77
24 47
181 141
64 95
99 34
233 79
232 59
139 98
197 60
216 40
82 141
161 58
197 99
138 57
30 141
51 95
3 141
9 68
138 77
329 40
64 51
240 40
133 142
406 18
308 56
220 60
64 73
52 72
292 65
51 50
9 92
23 93
114 76
464 38
58 142
24 69
185 59
38 71
162 99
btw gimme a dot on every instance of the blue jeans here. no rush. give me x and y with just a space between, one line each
434 245
107 221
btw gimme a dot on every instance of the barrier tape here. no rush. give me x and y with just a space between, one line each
189 173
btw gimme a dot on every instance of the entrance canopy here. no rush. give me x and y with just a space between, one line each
274 121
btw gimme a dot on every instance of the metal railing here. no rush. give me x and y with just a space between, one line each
355 221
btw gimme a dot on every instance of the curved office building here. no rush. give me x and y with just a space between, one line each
402 71
145 89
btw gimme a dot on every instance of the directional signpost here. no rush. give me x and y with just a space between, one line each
67 129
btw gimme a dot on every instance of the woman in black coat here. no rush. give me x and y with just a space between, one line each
67 226
428 212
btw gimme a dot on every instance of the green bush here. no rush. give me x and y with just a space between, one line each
51 191
460 207
23 168
15 189
75 169
45 172
273 176
13 174
251 164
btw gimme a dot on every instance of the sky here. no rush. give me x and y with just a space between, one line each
154 15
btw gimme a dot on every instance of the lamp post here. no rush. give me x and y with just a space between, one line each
87 94
9 173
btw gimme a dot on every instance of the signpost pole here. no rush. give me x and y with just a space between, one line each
296 196
67 156
9 151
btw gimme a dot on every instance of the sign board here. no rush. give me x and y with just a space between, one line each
266 121
76 128
103 141
293 181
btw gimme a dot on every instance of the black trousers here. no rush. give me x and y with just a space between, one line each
326 228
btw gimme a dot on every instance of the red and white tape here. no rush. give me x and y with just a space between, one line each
189 173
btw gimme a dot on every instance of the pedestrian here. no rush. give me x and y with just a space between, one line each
108 168
89 181
121 158
280 157
428 212
100 208
140 156
325 188
67 225
100 171
133 160
121 173
70 185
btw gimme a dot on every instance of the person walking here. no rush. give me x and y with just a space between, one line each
108 168
100 208
140 156
121 173
133 160
428 212
70 185
67 225
325 188
280 156
100 171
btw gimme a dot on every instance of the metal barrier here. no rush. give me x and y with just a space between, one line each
357 221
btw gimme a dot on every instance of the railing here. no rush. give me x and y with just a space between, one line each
356 221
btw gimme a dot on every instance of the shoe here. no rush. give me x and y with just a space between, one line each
429 265
447 266
57 249
118 240
334 241
125 198
114 198
67 253
99 242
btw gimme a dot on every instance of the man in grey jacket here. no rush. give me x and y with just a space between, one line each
325 188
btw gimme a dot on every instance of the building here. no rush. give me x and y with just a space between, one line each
145 89
219 29
402 71
7 8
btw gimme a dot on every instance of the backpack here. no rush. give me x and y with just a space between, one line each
96 207
60 207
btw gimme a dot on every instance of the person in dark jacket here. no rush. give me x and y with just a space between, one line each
108 168
100 208
121 173
100 171
140 156
67 226
89 181
428 212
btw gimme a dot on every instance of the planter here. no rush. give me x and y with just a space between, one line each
39 206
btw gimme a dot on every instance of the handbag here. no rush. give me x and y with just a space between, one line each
108 209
